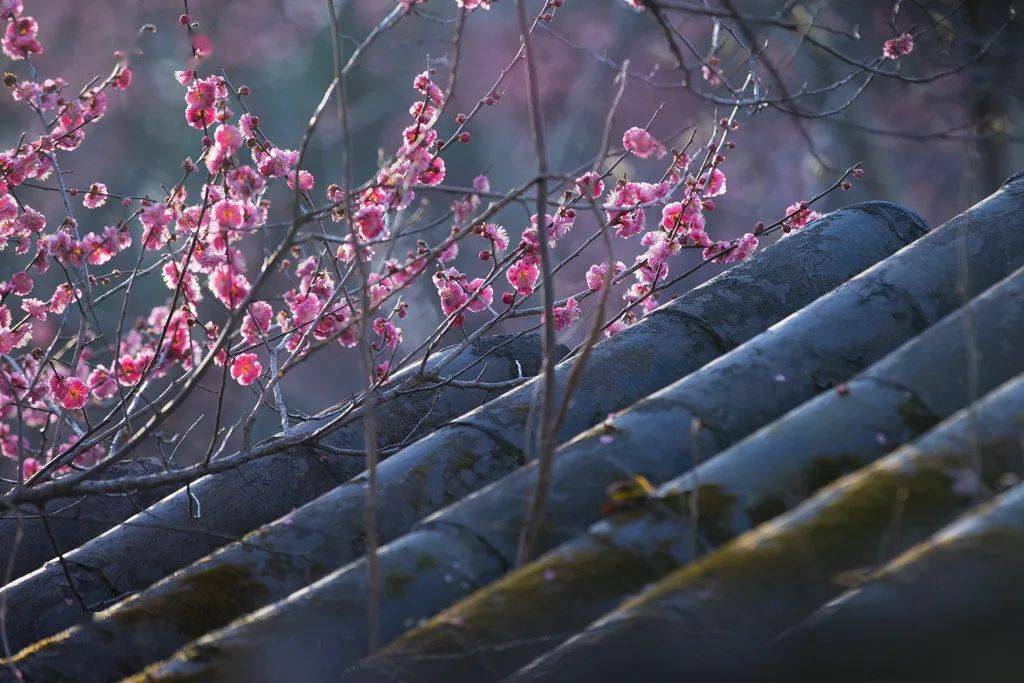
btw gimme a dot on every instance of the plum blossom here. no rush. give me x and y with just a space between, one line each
245 368
11 8
20 40
389 333
306 180
451 289
642 144
277 163
95 197
123 79
522 275
798 215
597 274
715 186
743 249
229 286
482 296
425 84
566 315
20 284
901 45
256 323
155 218
102 383
11 338
29 467
683 217
496 234
70 392
369 221
590 185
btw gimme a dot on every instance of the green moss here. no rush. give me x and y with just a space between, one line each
917 416
425 562
201 601
841 529
395 584
823 471
467 461
714 505
190 665
768 507
557 594
715 509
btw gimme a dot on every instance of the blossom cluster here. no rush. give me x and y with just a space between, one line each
199 240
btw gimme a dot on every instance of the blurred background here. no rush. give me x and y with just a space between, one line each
936 146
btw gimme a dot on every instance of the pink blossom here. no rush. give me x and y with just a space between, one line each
369 221
566 315
229 214
449 251
450 290
36 308
256 323
71 392
29 467
682 217
798 215
248 124
482 296
245 182
590 185
277 163
100 248
123 79
30 221
173 278
711 75
481 183
423 82
642 144
62 296
742 250
523 276
102 383
19 39
8 208
96 196
10 8
229 286
227 138
11 339
245 368
629 223
615 327
894 48
661 246
433 174
21 284
130 368
597 274
306 180
155 218
389 333
715 186
497 234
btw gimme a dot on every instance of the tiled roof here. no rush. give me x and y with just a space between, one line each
860 336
